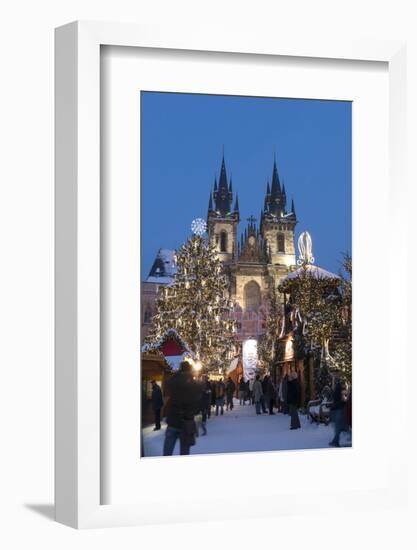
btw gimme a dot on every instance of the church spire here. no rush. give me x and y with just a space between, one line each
275 185
275 205
293 208
223 177
222 195
210 205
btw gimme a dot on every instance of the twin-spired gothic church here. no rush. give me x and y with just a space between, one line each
258 257
262 255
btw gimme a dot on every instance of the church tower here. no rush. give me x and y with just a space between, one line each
223 217
278 223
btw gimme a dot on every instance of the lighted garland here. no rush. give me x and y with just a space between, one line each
170 333
322 304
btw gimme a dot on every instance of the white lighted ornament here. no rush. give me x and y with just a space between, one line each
198 227
305 248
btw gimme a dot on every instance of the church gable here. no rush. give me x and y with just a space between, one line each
252 247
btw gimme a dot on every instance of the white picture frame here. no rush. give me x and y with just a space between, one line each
78 404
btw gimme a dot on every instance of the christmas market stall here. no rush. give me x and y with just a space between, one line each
314 329
159 360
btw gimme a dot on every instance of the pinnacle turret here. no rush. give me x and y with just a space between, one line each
293 208
236 208
275 201
222 193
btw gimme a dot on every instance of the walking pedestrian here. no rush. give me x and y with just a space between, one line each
270 395
257 394
230 391
251 382
264 390
242 391
219 393
184 399
205 403
209 389
157 404
293 398
213 394
284 393
338 411
279 395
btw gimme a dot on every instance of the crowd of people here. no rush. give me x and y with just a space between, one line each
187 398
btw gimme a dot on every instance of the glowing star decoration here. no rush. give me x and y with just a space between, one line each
305 247
198 227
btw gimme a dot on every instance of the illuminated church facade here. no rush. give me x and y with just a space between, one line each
254 260
263 254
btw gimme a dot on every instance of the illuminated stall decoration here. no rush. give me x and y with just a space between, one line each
173 348
313 305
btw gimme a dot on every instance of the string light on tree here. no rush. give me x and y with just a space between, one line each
196 303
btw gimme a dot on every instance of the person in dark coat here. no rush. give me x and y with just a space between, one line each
264 390
157 404
219 393
213 393
270 395
251 398
184 401
338 411
230 391
279 396
242 391
283 393
257 394
293 398
205 403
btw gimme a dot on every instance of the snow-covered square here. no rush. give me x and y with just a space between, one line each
241 430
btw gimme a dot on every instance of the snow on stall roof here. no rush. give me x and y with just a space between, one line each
313 271
160 280
170 333
164 267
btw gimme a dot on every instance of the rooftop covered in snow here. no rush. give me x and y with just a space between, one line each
311 271
164 267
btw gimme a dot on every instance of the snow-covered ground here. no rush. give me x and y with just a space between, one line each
241 430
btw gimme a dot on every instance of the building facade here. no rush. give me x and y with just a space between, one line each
161 274
260 257
255 259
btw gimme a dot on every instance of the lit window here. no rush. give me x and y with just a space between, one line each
147 316
281 242
252 296
223 241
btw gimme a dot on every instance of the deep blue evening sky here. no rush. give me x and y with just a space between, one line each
182 140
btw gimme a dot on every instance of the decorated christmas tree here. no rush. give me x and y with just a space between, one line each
196 304
321 302
317 301
315 309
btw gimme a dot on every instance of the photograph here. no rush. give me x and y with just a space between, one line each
246 274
